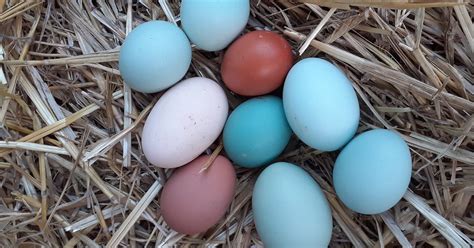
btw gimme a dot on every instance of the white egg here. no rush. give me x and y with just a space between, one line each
185 121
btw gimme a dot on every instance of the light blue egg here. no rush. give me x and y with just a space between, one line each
154 56
290 209
256 132
373 171
320 104
213 24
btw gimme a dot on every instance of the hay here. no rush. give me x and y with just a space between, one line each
72 172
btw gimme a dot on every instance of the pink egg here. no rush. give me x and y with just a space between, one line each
185 121
192 200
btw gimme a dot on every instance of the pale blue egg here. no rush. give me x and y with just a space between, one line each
256 132
373 171
320 104
290 209
154 56
213 24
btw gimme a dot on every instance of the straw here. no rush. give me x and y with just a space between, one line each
72 170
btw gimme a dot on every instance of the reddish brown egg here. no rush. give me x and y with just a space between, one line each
256 63
193 201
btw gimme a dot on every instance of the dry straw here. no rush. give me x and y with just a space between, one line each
72 173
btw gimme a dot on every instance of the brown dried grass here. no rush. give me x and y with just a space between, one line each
71 171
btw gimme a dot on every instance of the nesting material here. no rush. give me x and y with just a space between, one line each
401 4
72 170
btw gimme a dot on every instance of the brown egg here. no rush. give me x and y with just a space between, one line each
256 63
193 201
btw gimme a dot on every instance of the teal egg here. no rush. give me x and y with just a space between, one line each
320 104
154 56
213 24
372 172
290 209
256 132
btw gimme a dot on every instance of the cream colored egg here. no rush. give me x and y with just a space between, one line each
185 121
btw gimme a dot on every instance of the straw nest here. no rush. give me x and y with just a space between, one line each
72 172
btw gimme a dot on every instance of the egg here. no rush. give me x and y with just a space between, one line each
290 209
154 56
213 24
256 63
320 104
256 132
184 122
194 201
372 172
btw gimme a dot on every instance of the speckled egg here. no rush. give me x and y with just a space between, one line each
185 121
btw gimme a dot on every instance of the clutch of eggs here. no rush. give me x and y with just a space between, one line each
319 105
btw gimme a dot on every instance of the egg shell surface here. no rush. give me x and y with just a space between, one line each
373 171
320 104
154 56
213 24
193 201
184 122
290 209
256 132
256 63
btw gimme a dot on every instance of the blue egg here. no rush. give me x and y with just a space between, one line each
373 171
154 56
256 132
213 24
320 104
290 209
